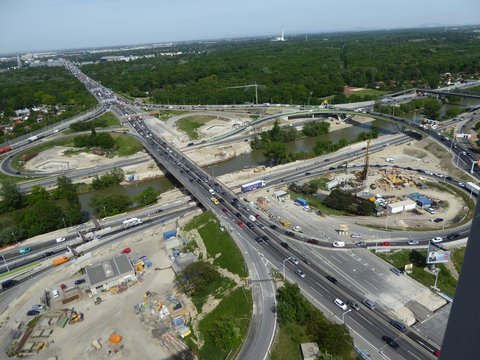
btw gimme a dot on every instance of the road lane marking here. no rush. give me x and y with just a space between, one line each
334 258
323 287
415 356
363 317
371 284
318 292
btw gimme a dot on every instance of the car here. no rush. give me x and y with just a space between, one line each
238 215
250 225
331 168
79 281
284 244
361 244
331 279
47 254
273 227
25 250
265 238
293 260
385 243
300 273
356 236
308 173
338 244
60 239
259 239
353 305
160 210
396 271
438 220
38 307
55 293
436 239
398 325
340 304
306 261
453 236
261 226
290 233
240 223
221 200
63 287
461 184
368 303
224 210
126 251
413 242
313 241
33 312
390 342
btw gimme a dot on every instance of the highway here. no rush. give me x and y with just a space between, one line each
261 256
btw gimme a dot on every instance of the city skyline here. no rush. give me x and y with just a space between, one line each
49 25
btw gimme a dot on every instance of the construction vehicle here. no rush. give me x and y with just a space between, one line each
342 229
364 174
60 260
97 300
75 317
140 266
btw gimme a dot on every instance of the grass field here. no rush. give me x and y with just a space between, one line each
287 342
189 125
127 145
165 115
238 307
223 249
14 271
457 258
318 204
446 282
217 288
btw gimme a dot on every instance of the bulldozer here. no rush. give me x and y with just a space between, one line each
75 317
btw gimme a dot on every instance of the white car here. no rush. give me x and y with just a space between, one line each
297 229
300 273
340 304
38 307
60 239
338 244
356 236
55 293
413 242
461 184
293 260
437 239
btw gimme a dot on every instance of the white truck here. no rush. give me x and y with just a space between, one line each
132 222
32 138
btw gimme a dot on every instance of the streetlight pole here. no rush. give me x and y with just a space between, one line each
284 268
343 315
5 261
64 225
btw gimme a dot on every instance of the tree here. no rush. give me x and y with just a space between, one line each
275 152
196 277
226 334
65 188
12 197
109 205
147 196
43 217
36 194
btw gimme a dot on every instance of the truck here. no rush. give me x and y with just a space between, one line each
131 222
474 188
253 185
301 201
5 149
9 283
342 229
60 260
285 223
32 138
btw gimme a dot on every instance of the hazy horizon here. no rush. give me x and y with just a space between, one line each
53 25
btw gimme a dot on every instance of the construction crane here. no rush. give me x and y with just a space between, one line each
364 174
248 86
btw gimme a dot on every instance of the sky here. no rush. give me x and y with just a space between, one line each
33 25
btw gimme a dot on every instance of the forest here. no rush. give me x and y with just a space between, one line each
296 71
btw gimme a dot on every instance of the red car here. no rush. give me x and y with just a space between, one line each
126 251
240 223
224 210
386 243
63 287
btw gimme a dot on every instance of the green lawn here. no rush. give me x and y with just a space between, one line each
111 119
287 342
189 125
317 204
217 288
238 307
19 269
457 258
165 115
446 282
198 221
221 247
127 145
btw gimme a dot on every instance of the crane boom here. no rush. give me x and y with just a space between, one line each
255 85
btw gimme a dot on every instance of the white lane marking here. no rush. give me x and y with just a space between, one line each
323 287
371 284
415 356
352 319
334 258
363 317
318 292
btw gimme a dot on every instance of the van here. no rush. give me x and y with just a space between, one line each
369 304
9 283
398 325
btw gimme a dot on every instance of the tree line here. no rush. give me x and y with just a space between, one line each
296 71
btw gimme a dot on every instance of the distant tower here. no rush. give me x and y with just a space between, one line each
19 62
282 38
